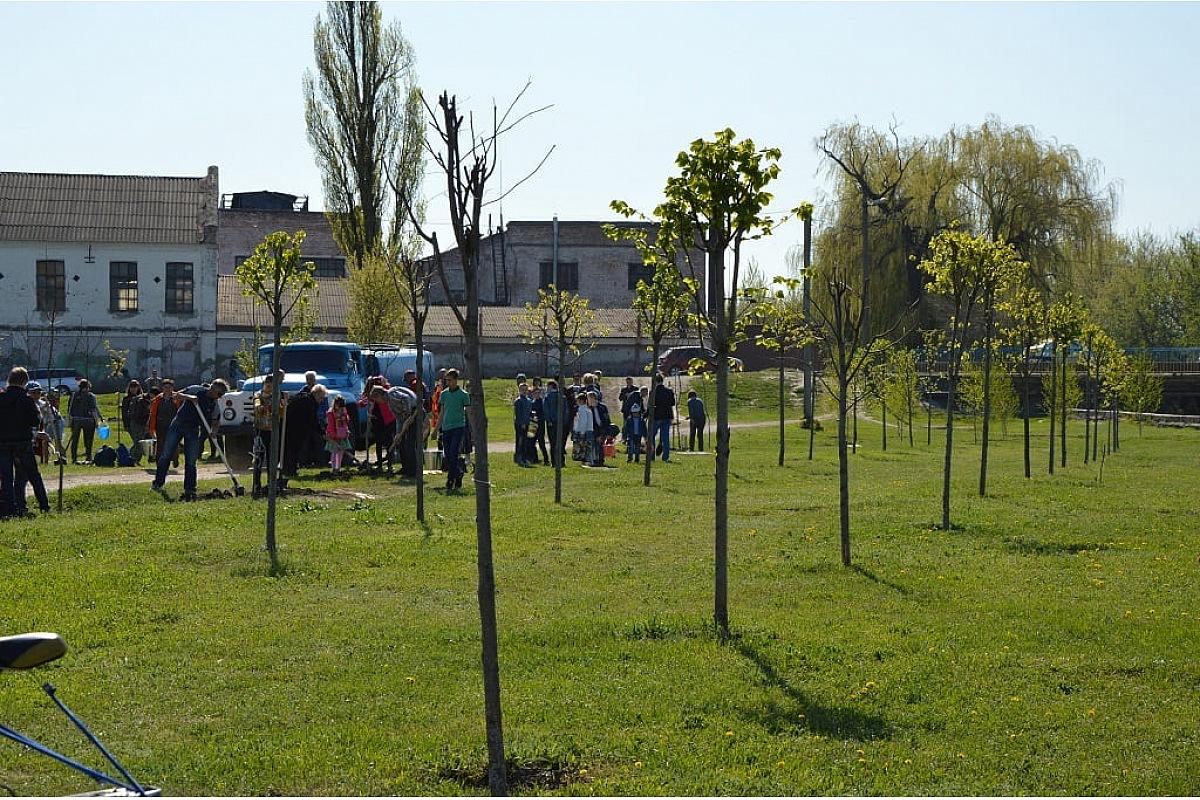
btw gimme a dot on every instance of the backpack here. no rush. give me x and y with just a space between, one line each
124 457
105 457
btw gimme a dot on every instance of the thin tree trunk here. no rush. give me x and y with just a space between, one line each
781 415
721 505
560 430
276 444
1096 410
490 657
1053 396
1062 433
987 393
1088 400
648 420
952 381
1028 473
883 408
910 415
843 474
419 439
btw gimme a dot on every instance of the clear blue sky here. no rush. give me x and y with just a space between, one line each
169 88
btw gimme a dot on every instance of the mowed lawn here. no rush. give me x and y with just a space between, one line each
1048 646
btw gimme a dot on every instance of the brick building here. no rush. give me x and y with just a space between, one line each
244 218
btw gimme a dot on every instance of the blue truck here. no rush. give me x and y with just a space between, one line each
341 367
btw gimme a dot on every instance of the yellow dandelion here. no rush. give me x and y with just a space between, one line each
411 679
1091 712
908 761
638 764
962 755
729 733
582 771
779 763
1015 699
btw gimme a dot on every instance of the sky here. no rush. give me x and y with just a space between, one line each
170 88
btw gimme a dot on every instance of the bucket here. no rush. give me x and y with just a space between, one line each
102 432
610 448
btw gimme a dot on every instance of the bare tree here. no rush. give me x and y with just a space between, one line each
467 157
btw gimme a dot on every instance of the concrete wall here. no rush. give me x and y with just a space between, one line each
239 232
183 344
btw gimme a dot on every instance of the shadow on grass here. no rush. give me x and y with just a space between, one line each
871 576
801 712
1035 547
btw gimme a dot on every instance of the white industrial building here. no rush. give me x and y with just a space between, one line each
127 260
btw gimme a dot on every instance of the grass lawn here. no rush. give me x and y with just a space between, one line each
1048 646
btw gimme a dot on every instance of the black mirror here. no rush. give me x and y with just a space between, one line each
28 650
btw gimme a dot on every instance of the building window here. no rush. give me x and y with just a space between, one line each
122 286
568 276
179 288
329 267
51 286
639 272
324 267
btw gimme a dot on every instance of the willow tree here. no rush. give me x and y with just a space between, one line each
716 203
275 276
960 268
565 319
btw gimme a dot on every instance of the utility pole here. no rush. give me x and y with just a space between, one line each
808 355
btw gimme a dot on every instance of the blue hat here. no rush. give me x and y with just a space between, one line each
33 386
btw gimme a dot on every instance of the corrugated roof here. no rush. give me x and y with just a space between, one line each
51 207
236 311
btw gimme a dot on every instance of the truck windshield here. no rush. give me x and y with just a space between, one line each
323 362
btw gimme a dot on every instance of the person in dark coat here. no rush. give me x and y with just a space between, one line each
19 420
300 418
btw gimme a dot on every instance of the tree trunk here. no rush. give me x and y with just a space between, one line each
1062 433
648 442
560 431
276 442
1088 400
1116 424
910 415
952 382
497 780
781 415
419 439
987 396
1028 473
720 340
843 474
1053 396
883 408
1096 410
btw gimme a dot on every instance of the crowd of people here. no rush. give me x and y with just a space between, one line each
580 412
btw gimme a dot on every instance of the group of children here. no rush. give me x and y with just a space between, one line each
589 423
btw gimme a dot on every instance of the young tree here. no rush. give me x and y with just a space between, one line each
467 158
276 278
961 267
1065 321
374 298
410 275
783 329
903 386
717 202
661 305
994 284
1028 323
563 318
356 109
838 318
1143 389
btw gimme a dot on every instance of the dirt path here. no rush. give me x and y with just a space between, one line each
99 476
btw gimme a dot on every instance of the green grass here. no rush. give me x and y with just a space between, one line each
1046 647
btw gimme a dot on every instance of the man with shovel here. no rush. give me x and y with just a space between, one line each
188 428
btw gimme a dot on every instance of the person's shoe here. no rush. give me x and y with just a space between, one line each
188 497
156 486
45 509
